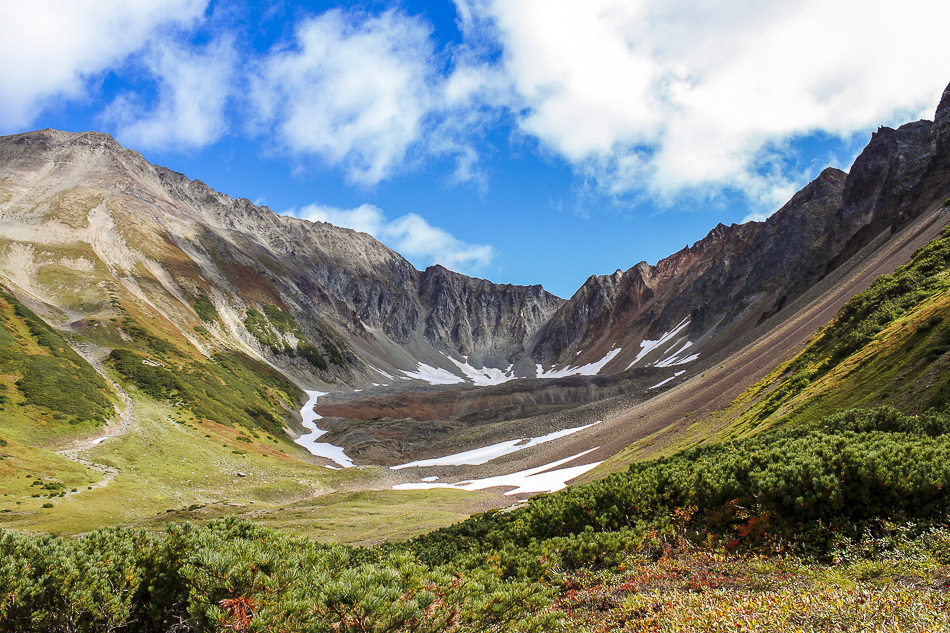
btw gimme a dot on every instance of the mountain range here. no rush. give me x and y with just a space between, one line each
136 298
84 219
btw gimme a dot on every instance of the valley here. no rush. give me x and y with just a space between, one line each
176 361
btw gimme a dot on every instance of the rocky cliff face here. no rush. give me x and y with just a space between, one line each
739 276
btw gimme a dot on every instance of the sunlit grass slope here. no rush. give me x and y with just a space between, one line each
887 345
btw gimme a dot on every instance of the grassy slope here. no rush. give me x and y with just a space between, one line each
180 456
897 332
888 345
32 422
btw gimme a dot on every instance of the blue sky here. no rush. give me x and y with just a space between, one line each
526 141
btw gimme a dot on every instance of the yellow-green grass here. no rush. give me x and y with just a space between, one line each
906 365
23 465
703 590
898 367
171 467
371 516
30 422
168 461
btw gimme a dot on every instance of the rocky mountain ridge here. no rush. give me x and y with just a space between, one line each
164 241
90 231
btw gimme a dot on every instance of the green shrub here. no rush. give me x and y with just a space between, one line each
270 327
205 309
231 575
232 389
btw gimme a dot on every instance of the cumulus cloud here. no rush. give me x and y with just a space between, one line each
410 235
51 48
352 88
374 95
645 97
194 87
666 96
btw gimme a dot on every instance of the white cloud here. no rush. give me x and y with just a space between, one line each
667 96
410 235
194 86
353 89
368 94
51 48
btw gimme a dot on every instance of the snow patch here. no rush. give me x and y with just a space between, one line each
688 359
485 376
309 440
546 478
663 382
647 346
673 359
487 453
382 373
590 369
434 375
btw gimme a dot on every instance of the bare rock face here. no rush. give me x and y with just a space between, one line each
481 320
739 276
732 272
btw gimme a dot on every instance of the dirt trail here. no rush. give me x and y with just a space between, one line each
74 450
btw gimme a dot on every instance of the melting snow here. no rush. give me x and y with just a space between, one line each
647 346
488 453
485 376
309 441
382 373
539 479
673 359
663 382
591 369
434 375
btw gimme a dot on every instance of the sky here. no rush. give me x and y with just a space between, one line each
524 141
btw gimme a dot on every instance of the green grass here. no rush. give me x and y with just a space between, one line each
205 309
372 516
166 465
274 328
165 462
48 393
887 345
231 389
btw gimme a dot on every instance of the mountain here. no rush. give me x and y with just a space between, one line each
699 299
157 338
88 228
